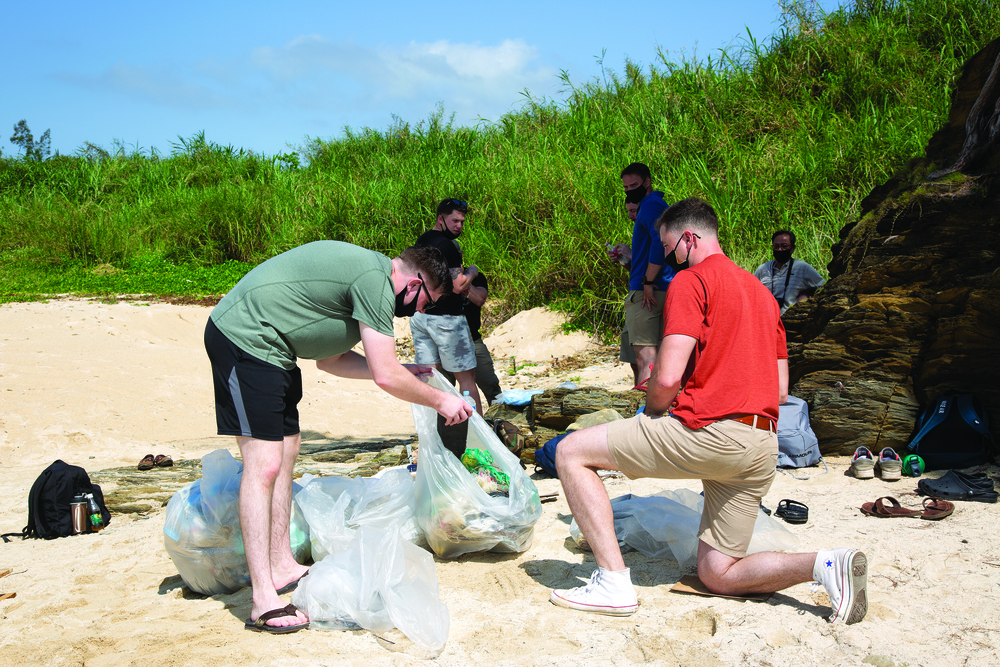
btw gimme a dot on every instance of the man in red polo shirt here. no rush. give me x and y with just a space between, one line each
721 372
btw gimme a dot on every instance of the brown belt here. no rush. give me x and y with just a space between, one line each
763 423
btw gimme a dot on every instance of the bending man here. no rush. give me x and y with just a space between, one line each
315 302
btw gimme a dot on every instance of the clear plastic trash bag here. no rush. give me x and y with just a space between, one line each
336 507
378 582
665 525
457 516
202 529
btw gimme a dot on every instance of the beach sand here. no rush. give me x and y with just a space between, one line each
100 385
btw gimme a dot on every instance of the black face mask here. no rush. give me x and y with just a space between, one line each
671 259
782 256
406 309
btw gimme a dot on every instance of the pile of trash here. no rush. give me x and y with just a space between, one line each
368 536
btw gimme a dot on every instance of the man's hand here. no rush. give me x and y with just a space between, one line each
454 409
619 250
648 297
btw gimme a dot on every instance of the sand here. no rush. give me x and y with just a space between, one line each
101 385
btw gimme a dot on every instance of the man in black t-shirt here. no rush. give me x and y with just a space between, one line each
441 334
486 375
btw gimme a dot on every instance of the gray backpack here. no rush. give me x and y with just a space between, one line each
798 446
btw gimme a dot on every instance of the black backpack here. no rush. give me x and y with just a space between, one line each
953 432
49 514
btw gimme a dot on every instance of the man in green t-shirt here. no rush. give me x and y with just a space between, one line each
316 301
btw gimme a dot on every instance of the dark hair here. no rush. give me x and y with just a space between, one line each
690 212
448 205
778 233
637 169
431 264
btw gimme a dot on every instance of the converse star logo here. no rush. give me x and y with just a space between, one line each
828 563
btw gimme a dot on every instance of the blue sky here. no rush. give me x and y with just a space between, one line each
265 76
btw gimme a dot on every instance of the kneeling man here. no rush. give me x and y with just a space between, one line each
721 372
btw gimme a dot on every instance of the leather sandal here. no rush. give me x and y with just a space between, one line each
935 510
148 462
888 507
163 461
260 625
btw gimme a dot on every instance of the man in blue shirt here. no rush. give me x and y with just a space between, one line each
648 277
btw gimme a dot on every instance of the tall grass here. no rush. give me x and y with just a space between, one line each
790 133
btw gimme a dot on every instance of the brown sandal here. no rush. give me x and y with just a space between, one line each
935 510
888 507
147 462
260 625
163 461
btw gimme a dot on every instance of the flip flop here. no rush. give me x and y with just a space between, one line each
291 585
935 510
147 462
888 507
953 487
163 461
260 625
792 511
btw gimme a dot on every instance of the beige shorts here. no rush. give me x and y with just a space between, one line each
644 328
735 462
625 352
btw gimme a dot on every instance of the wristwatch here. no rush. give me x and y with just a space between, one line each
648 282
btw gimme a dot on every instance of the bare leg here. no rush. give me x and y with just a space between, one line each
261 466
284 568
578 458
764 572
467 383
645 356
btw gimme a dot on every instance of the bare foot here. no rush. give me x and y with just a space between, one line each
283 578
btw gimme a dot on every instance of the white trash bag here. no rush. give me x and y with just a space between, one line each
202 529
336 507
665 525
457 516
378 582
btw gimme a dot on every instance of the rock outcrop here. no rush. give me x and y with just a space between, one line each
912 307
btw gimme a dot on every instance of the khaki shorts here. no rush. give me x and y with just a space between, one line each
644 328
626 352
735 462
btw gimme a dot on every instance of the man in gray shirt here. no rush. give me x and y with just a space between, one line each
789 280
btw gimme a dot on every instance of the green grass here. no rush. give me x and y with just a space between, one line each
792 133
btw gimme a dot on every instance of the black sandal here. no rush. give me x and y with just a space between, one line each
792 511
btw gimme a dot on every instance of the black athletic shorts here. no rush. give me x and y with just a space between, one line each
252 397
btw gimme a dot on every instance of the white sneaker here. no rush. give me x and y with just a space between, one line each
863 463
607 592
844 574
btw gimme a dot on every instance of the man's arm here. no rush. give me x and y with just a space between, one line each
478 295
668 373
782 380
462 280
380 364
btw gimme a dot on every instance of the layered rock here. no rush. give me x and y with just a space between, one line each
912 307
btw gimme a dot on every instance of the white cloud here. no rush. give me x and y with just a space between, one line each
471 80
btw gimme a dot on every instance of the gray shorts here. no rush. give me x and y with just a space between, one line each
443 339
735 462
